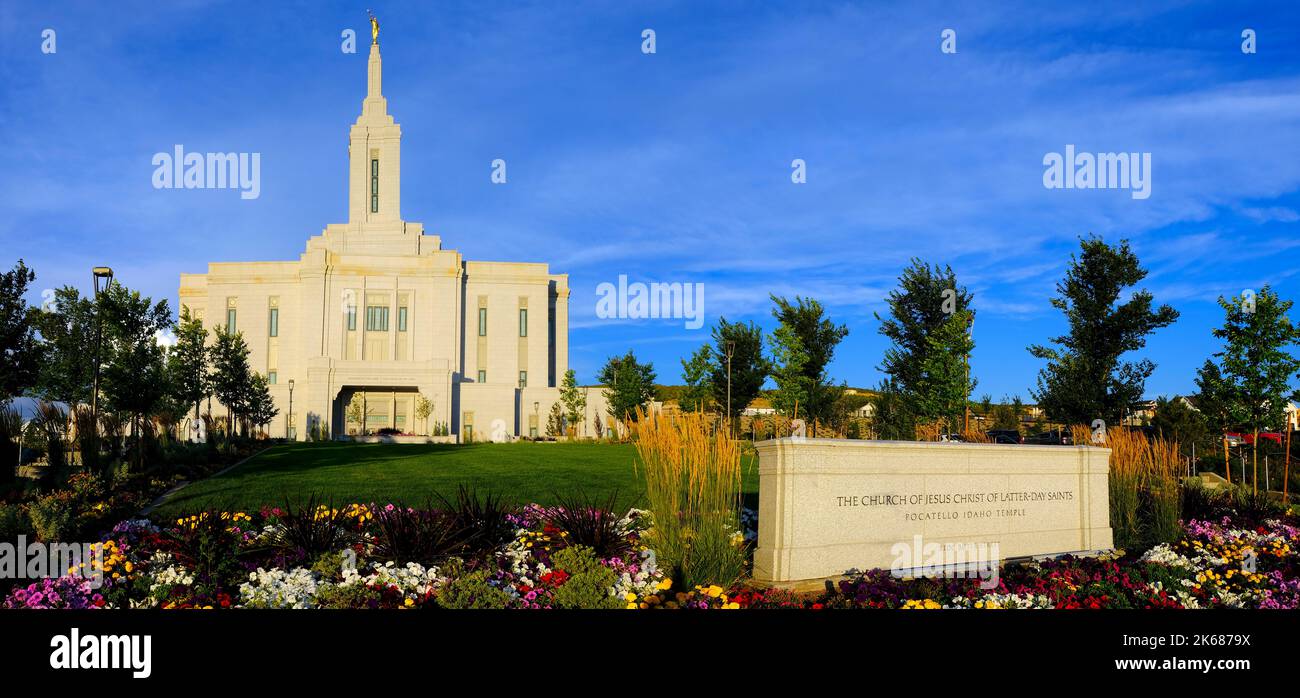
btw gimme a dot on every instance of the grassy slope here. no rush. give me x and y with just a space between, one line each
412 474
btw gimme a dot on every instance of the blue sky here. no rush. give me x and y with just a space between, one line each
675 167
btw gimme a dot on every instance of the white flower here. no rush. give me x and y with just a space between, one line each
412 580
277 588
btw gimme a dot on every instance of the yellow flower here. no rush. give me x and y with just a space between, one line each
629 596
665 585
713 591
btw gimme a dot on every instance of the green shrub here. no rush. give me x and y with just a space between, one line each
1200 502
51 517
350 596
1253 505
471 591
330 565
589 582
14 523
87 487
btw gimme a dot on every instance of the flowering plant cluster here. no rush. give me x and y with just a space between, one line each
1213 564
536 557
56 592
1219 563
327 557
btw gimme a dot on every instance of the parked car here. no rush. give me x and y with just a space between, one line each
1249 437
1005 436
1054 437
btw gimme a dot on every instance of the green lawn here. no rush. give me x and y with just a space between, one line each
411 474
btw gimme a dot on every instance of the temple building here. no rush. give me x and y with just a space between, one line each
377 309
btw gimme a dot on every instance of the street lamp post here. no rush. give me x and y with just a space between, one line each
289 430
107 274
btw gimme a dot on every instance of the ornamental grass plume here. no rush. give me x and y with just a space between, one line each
692 476
930 431
1081 435
974 435
52 420
1145 496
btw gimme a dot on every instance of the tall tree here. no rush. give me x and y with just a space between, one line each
187 362
929 325
1213 398
574 400
555 421
697 375
260 406
67 329
1006 415
1256 365
749 368
845 413
231 375
1084 378
134 376
802 345
1176 421
19 351
893 420
629 384
946 385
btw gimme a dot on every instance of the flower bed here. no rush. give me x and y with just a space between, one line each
475 554
88 502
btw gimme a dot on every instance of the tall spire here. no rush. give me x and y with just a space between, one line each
374 152
375 69
375 74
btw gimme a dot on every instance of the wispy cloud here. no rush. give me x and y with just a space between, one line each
675 167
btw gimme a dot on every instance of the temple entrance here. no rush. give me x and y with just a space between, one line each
366 410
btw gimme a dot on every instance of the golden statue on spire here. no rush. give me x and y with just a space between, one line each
374 27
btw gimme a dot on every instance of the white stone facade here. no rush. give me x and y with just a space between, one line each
374 306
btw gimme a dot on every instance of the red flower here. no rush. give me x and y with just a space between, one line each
555 578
